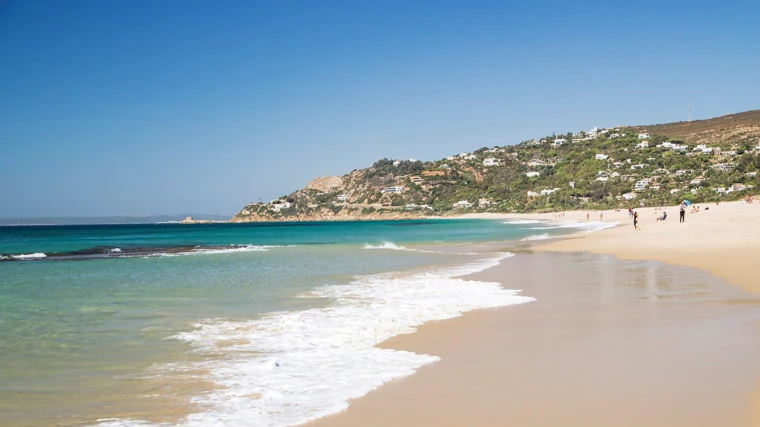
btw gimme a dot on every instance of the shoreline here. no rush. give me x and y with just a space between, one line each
715 243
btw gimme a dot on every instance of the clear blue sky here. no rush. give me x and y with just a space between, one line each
135 107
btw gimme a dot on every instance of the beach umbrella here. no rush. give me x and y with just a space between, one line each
688 203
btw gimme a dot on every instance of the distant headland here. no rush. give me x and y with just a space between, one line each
709 160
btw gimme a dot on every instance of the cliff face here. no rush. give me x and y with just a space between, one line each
326 184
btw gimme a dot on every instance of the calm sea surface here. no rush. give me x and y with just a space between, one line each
226 324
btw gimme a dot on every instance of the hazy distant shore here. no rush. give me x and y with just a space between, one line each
97 220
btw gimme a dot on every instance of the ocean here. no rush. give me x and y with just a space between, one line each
229 324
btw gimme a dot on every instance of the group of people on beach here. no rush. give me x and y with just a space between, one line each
659 217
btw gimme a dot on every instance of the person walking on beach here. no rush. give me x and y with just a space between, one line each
601 216
635 220
630 212
682 211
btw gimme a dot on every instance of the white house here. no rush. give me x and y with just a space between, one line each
532 174
603 178
559 141
396 162
643 144
396 190
571 184
614 135
674 191
727 153
696 181
277 205
342 198
751 173
484 202
411 206
490 161
639 166
726 167
532 194
629 196
655 187
641 185
593 133
643 135
546 192
462 204
601 157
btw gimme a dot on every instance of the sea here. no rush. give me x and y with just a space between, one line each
259 324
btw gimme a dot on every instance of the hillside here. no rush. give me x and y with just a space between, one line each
703 161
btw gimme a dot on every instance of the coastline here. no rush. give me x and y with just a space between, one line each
718 243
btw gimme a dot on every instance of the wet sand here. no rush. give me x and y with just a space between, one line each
607 343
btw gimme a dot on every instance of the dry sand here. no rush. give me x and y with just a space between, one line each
607 343
724 240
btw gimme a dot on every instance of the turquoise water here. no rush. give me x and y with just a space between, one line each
125 334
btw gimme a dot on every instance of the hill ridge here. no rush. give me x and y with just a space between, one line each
704 160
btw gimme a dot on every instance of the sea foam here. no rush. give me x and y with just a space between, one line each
233 249
537 237
587 227
387 245
37 255
291 367
522 221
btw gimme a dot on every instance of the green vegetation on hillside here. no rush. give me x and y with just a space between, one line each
615 169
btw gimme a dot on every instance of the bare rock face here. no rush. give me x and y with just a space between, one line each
326 184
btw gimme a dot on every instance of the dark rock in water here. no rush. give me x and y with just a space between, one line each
104 252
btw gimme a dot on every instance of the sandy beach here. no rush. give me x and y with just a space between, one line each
658 326
722 239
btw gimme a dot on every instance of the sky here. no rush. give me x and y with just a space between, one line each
163 107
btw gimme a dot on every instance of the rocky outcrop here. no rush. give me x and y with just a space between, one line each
326 184
251 213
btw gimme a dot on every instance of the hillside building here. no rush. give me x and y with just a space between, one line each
393 190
